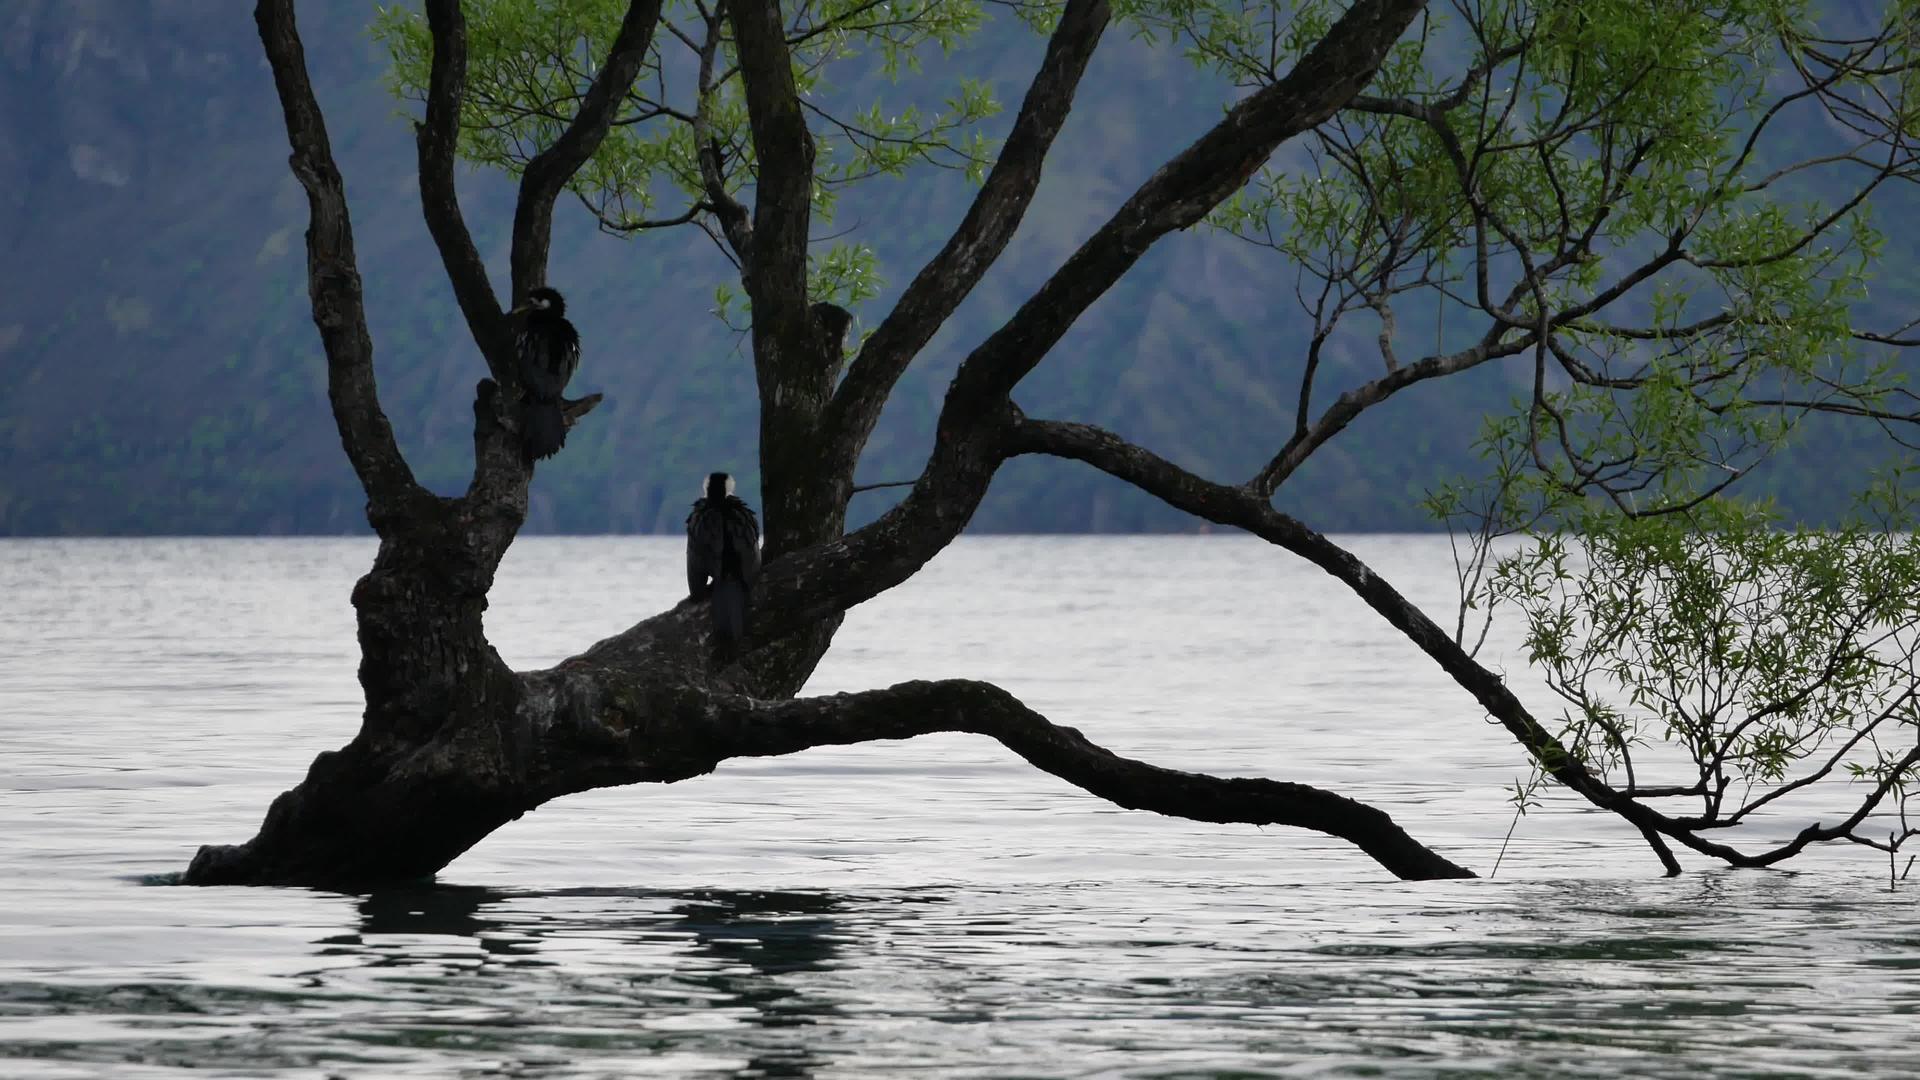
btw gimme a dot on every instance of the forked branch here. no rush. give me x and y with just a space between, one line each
1186 188
991 220
550 170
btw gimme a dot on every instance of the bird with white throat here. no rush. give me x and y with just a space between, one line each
549 352
723 559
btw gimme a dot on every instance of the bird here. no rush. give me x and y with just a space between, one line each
723 558
832 320
549 351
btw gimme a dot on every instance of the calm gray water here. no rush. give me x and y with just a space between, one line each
929 908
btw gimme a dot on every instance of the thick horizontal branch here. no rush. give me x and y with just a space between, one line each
333 274
1242 507
673 733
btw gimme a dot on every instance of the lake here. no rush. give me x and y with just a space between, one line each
929 908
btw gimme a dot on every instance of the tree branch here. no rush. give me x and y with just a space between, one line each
574 408
828 576
734 224
675 736
991 220
436 139
776 274
1349 405
819 581
384 810
333 276
1182 192
1245 508
547 174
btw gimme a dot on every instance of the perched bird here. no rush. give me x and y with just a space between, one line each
549 349
832 320
723 558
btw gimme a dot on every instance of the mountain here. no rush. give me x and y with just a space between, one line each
162 375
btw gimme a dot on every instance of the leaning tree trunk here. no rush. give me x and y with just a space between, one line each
453 744
432 770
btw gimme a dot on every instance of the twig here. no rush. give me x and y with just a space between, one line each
572 410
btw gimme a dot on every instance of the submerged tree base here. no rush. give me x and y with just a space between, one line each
401 810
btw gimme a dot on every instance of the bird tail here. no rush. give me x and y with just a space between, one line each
543 429
729 613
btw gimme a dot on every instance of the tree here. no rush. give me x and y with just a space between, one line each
1592 191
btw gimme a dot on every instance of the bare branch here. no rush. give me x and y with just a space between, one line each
652 743
708 157
436 138
1187 187
1348 406
1245 508
991 220
333 275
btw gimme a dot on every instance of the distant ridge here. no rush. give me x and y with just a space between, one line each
162 376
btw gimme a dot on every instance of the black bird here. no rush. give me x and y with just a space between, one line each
549 349
832 321
723 558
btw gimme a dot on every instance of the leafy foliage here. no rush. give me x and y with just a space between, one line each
680 148
1768 657
1617 193
1601 187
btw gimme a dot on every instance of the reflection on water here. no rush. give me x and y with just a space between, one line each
924 908
714 961
1727 975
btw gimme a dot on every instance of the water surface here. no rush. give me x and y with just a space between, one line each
926 908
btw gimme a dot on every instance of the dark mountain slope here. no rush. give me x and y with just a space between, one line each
161 374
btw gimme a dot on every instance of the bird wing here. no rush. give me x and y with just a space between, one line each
549 355
743 535
706 540
569 354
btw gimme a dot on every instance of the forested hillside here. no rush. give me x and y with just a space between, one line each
161 374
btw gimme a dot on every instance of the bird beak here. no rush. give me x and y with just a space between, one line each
521 310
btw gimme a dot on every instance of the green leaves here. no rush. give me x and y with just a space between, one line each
1764 654
531 61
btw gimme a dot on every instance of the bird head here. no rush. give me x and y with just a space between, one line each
544 300
719 486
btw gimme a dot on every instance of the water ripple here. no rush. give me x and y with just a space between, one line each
929 908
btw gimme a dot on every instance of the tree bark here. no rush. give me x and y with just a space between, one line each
333 277
388 811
